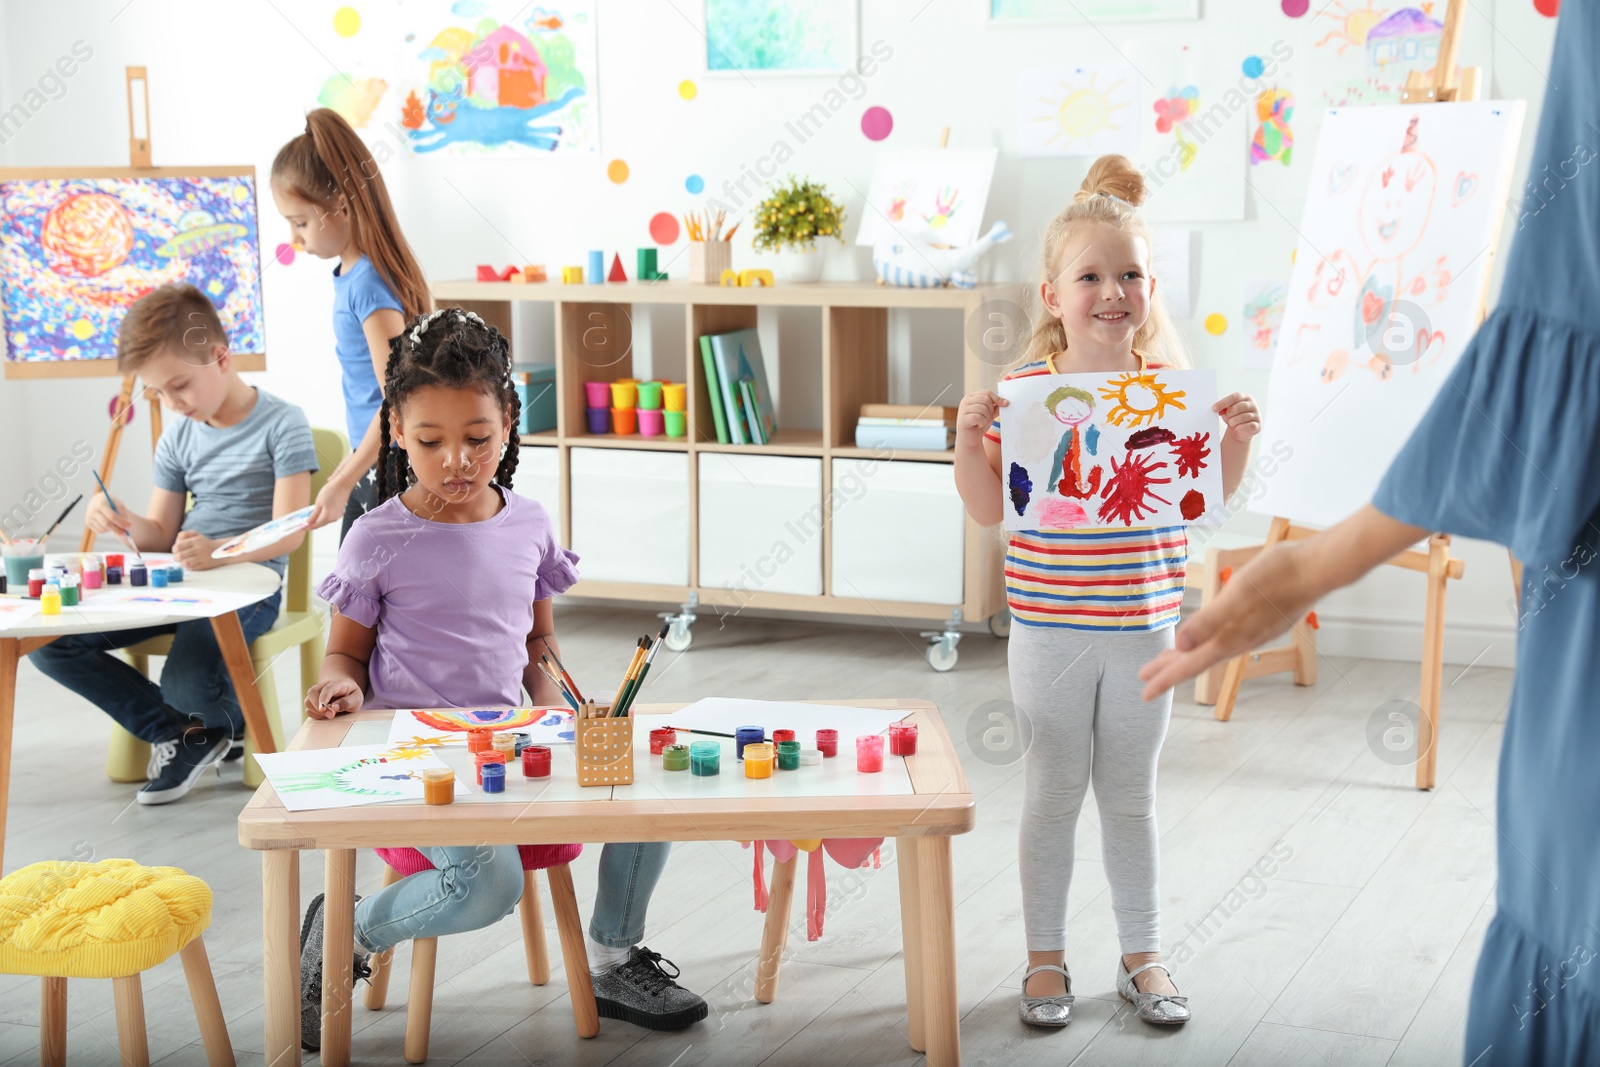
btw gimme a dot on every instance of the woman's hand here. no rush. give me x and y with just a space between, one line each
975 415
1240 414
328 698
193 551
330 503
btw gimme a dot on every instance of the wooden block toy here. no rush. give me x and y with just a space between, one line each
617 274
572 275
534 272
757 277
646 263
489 274
729 277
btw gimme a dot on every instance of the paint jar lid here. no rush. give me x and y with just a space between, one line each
438 774
810 757
35 572
493 768
705 749
52 587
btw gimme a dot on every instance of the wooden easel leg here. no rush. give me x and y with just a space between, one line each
113 440
1233 676
1432 661
1304 641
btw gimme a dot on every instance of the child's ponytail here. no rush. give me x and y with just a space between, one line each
329 166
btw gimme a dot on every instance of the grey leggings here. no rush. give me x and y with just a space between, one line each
1081 716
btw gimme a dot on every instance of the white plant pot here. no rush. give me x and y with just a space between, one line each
800 264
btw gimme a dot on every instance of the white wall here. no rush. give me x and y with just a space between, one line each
230 83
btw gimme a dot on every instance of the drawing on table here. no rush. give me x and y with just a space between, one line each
478 718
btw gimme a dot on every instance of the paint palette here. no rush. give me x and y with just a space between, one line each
265 534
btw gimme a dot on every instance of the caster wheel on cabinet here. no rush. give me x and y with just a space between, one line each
942 657
1000 623
679 638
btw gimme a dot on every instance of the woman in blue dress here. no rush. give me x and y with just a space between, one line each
1509 452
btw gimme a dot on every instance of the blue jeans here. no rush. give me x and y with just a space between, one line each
473 886
194 682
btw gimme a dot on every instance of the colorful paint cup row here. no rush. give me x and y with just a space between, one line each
632 393
645 422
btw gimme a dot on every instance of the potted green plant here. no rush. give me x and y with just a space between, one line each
790 221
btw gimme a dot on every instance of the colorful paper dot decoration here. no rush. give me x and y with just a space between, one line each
617 171
1296 8
1216 324
688 90
346 21
695 184
1253 67
1548 8
285 254
127 412
663 227
876 123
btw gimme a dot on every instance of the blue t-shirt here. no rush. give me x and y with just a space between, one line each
232 471
357 293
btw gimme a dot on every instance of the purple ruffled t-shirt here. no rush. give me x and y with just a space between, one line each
452 602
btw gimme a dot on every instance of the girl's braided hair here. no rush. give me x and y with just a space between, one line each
454 349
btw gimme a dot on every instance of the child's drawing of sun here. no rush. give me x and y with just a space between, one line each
1140 397
1354 23
1083 112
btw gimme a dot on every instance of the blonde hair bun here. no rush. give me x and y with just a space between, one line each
1113 176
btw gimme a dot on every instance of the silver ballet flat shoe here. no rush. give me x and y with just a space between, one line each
1159 1008
1046 1011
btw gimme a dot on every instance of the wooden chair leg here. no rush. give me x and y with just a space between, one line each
569 927
382 962
419 1005
207 1008
131 1040
267 686
775 935
52 1022
126 755
533 943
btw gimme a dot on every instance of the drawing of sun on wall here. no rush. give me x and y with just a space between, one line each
1079 111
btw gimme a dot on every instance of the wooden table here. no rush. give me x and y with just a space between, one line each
922 825
251 578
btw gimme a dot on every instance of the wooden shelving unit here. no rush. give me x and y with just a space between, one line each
593 340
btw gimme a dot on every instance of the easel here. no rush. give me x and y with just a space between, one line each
122 412
1437 563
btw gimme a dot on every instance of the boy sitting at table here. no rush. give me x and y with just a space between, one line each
245 456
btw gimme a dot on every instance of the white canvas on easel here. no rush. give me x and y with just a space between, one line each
1390 276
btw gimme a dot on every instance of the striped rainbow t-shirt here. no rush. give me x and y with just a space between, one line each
1100 578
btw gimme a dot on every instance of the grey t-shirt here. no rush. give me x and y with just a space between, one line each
231 471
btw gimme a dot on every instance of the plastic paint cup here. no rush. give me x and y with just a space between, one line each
113 575
810 757
483 759
705 758
21 557
758 760
505 743
624 394
158 578
661 737
903 739
649 396
674 395
599 419
50 600
175 574
676 423
480 740
650 422
438 785
780 736
69 591
622 421
747 735
114 559
522 742
93 576
788 755
828 743
675 757
35 579
494 777
597 394
138 574
536 761
869 753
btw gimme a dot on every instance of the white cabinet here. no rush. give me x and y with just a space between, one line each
898 530
538 478
761 523
630 515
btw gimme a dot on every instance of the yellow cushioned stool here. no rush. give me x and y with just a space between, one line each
112 919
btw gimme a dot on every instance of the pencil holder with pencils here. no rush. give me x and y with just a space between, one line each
707 261
605 751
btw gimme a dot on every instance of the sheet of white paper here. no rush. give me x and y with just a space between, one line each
1172 259
545 726
1078 111
1263 300
724 715
15 611
1111 450
938 194
348 777
1194 135
183 599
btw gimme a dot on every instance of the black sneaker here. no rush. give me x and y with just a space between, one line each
311 975
235 749
643 992
177 764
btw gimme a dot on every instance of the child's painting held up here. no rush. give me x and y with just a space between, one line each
1132 448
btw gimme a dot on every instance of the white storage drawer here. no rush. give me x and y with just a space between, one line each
630 515
761 523
897 531
538 478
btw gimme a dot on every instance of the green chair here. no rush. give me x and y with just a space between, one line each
298 624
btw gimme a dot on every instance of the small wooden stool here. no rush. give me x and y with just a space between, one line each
113 919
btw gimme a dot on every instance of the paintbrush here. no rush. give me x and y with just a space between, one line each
566 694
550 650
67 511
638 657
125 538
661 638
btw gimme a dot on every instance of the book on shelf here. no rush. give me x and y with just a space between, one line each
909 411
715 388
737 356
913 438
752 412
869 420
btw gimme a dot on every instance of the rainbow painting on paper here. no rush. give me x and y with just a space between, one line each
544 726
76 251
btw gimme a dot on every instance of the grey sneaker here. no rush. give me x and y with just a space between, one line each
642 991
311 975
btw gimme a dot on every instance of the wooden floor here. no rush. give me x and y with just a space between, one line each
1356 946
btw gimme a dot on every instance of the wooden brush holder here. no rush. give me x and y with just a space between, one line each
707 261
605 751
